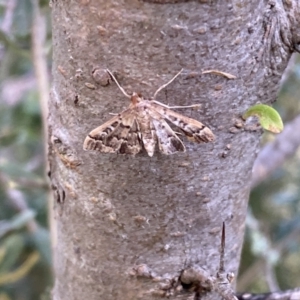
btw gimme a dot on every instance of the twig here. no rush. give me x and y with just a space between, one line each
8 16
255 268
220 73
39 59
17 200
13 89
31 183
21 272
289 70
293 294
276 152
7 22
40 65
271 276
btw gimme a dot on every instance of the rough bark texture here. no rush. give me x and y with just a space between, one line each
116 212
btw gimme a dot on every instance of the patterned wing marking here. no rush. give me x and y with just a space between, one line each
193 129
168 141
110 137
133 144
146 129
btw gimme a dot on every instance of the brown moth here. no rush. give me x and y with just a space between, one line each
143 124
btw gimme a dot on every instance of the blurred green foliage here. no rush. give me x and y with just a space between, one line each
25 251
272 236
273 225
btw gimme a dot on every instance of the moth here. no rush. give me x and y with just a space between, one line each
143 125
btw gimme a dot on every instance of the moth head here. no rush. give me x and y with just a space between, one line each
136 98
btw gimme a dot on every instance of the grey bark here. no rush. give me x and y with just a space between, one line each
164 213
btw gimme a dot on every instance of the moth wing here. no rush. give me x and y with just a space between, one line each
147 129
193 129
168 141
132 144
110 136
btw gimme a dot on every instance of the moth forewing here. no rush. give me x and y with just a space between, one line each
132 145
110 136
193 129
94 139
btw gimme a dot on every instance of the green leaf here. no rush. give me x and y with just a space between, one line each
269 118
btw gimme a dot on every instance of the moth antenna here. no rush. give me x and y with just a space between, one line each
174 107
166 84
117 83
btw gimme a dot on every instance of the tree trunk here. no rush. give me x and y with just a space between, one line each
125 224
